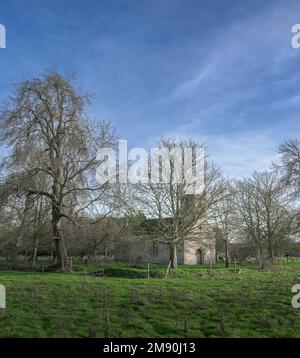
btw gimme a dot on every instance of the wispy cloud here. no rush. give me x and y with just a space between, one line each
187 87
242 99
242 62
239 156
224 72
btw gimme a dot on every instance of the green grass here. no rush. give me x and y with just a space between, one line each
195 302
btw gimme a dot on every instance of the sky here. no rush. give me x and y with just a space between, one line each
223 72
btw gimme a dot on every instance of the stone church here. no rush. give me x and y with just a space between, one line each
200 249
189 252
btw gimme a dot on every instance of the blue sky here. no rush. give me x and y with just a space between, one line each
221 71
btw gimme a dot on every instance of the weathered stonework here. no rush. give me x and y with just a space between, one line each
189 252
199 252
199 248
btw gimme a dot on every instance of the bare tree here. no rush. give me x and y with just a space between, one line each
224 220
53 147
266 213
290 163
173 215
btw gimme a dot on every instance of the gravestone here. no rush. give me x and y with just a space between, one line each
269 265
2 297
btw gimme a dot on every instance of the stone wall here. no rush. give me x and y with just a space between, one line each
199 251
142 251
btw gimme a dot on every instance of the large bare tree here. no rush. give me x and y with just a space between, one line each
53 147
266 212
173 213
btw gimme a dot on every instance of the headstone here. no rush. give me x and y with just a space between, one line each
2 297
269 265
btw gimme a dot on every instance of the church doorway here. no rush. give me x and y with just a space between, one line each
199 255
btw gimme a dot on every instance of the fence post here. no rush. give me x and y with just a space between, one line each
168 269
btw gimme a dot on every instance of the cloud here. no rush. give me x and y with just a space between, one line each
187 87
224 72
239 156
244 61
242 97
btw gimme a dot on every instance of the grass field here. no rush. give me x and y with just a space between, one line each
195 302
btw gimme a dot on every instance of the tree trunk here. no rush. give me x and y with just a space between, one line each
58 242
23 229
35 250
26 256
52 253
271 253
173 255
15 253
226 254
65 248
260 258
